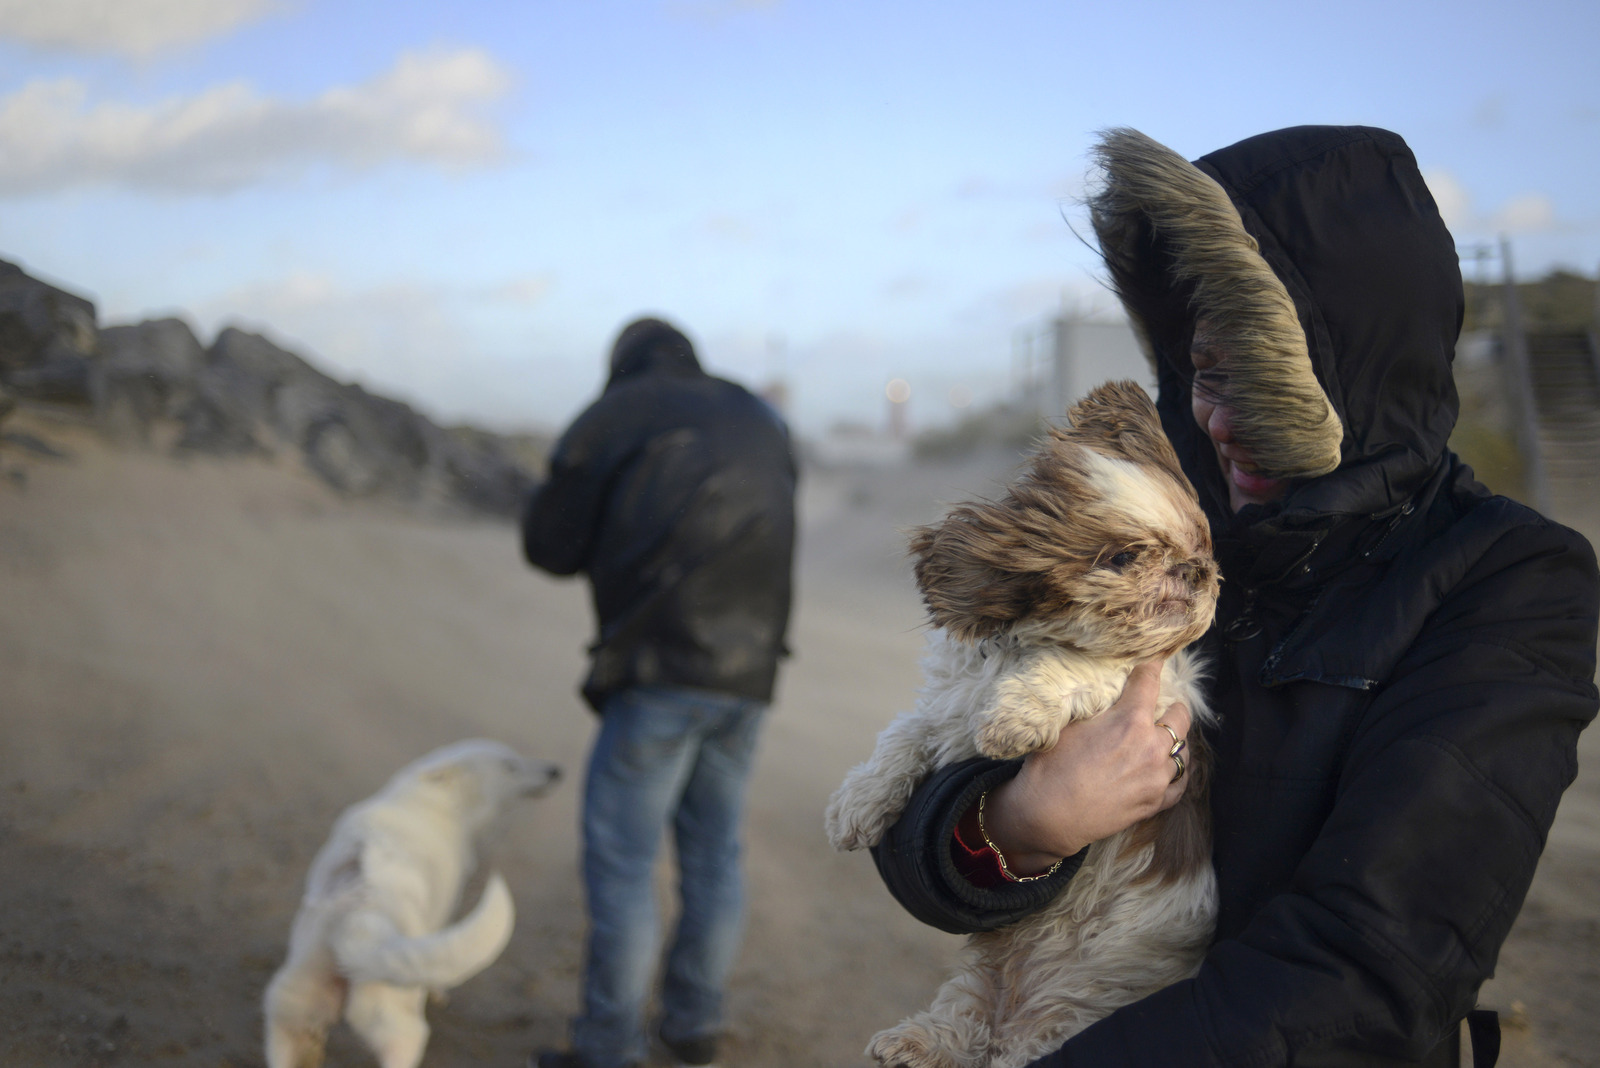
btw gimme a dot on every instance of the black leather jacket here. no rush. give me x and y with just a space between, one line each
1402 666
674 493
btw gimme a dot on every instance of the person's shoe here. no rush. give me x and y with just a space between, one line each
698 1052
561 1058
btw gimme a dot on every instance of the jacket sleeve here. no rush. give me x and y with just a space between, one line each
914 856
1397 913
561 519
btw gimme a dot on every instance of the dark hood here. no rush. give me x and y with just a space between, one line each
650 346
1343 222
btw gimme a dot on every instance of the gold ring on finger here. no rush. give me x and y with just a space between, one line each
1178 760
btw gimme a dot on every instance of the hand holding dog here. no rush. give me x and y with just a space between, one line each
1103 775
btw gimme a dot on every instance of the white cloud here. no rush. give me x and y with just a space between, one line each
428 107
1455 203
137 28
1529 213
521 292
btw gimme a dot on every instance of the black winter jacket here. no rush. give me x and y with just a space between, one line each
674 493
1402 662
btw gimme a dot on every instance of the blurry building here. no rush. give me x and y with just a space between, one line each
1064 358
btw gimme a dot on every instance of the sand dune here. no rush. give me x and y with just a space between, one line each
202 662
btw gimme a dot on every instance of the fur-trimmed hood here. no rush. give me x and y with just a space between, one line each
1321 261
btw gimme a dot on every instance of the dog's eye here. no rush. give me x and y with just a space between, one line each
1124 558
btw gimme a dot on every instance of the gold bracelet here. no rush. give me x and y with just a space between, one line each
1005 869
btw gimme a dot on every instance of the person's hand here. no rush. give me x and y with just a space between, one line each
1104 775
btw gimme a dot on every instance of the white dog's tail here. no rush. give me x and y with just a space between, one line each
441 960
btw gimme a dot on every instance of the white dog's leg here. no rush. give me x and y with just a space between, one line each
302 1002
390 1021
874 794
954 1032
1047 689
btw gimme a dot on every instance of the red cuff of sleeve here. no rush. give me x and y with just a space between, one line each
979 866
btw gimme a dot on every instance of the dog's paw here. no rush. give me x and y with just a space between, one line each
907 1046
1018 721
1005 735
851 828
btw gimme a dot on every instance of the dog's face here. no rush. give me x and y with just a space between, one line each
478 776
1100 544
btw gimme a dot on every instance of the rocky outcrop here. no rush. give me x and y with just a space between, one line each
47 338
244 394
144 373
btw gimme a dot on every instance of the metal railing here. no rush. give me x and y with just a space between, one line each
1525 409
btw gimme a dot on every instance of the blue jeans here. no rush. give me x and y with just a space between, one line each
663 754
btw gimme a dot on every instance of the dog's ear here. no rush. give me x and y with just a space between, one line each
1118 419
969 570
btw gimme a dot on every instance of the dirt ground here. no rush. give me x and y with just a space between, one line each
203 662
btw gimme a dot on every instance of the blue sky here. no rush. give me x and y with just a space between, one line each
460 204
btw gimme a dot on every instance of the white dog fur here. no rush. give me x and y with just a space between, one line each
371 939
1038 629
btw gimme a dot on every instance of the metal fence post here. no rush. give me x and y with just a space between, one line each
1525 404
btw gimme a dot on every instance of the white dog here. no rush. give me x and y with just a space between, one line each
1098 557
370 939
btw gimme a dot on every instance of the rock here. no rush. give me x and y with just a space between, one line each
166 348
361 443
252 370
245 394
31 443
335 455
145 372
478 471
64 378
47 338
234 404
214 422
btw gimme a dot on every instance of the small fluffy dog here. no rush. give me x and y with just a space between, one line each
1095 558
371 938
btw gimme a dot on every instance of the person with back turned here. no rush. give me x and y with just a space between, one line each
674 494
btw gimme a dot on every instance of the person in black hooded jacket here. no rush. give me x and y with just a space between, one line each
1403 662
674 494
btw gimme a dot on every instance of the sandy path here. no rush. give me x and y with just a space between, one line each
202 663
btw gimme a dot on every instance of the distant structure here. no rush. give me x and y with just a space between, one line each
897 393
1061 360
855 444
1548 355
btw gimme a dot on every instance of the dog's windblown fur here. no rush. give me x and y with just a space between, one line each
371 938
1096 558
